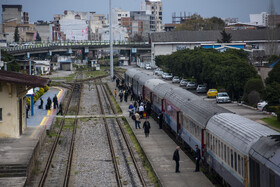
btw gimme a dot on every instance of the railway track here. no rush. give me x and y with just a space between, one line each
55 168
101 90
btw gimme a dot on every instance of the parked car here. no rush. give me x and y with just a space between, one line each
212 93
176 79
163 75
222 97
168 76
148 66
184 82
157 70
261 105
201 88
191 85
160 73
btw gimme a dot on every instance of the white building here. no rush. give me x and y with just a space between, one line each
154 7
118 14
259 19
119 33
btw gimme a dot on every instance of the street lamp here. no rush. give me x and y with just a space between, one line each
111 42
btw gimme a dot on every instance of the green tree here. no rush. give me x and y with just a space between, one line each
13 66
195 23
272 93
16 35
251 85
226 37
274 74
38 38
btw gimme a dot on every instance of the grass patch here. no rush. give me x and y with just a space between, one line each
67 78
76 172
142 155
272 121
85 119
101 72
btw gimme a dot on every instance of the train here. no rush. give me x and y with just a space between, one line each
238 150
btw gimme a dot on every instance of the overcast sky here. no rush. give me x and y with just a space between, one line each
45 9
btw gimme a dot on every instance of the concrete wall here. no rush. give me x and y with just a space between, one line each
10 95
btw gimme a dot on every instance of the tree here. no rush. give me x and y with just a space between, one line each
16 35
38 38
273 75
226 37
252 85
272 93
195 23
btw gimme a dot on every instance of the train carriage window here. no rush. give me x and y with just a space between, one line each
218 151
207 140
228 157
222 147
242 166
231 158
211 144
235 161
216 146
225 153
239 165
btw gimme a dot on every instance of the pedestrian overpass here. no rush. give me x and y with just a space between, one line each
64 46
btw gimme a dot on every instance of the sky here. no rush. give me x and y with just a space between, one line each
46 9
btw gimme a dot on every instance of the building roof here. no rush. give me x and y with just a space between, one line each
212 35
23 79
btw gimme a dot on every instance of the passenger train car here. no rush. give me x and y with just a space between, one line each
224 138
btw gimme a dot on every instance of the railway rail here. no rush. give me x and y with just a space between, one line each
133 158
73 101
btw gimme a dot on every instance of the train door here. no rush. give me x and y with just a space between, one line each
203 141
178 122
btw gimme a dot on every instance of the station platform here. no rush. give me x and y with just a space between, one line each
159 149
17 155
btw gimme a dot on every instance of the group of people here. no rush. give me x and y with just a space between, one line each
49 104
176 158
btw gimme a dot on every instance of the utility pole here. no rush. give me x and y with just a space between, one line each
111 42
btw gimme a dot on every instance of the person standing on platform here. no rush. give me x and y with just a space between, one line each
176 158
49 103
55 102
60 110
160 120
121 96
197 158
41 103
146 126
141 110
125 96
27 109
117 82
115 92
137 120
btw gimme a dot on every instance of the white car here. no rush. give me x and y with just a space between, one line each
222 97
156 71
168 76
261 105
163 75
148 66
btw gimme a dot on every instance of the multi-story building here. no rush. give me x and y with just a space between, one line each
44 29
141 23
12 12
118 14
154 7
259 19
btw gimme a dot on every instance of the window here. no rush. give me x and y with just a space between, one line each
228 157
231 158
219 148
235 162
0 114
242 166
239 165
222 147
225 153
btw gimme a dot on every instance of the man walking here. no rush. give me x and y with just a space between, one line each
137 120
176 158
60 109
55 102
146 126
197 158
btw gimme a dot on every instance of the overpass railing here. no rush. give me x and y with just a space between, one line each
18 47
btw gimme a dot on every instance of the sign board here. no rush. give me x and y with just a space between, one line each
70 51
181 47
86 50
28 55
50 53
134 50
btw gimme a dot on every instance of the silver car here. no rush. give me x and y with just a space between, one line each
222 97
191 85
184 82
201 89
168 76
176 79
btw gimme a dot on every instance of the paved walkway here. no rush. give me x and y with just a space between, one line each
159 149
19 151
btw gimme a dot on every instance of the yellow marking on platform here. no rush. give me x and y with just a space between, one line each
41 124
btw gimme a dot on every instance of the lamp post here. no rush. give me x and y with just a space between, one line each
111 42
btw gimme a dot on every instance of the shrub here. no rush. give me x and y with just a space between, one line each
46 88
253 98
278 115
273 109
252 85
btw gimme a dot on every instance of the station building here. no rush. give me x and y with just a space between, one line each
13 89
